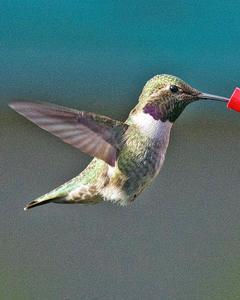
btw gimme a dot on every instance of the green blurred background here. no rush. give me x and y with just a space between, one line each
181 238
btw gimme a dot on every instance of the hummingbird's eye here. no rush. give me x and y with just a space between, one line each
174 88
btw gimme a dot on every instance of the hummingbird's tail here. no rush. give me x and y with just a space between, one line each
82 195
44 200
57 195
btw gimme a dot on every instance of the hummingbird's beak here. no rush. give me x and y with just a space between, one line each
212 97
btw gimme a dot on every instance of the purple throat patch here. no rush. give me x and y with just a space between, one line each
153 110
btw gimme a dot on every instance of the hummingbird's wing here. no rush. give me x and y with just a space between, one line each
96 135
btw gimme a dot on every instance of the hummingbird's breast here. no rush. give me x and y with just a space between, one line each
140 159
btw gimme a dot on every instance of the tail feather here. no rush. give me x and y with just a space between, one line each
35 203
64 199
41 201
52 196
83 194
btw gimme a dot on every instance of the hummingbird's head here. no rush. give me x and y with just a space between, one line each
164 97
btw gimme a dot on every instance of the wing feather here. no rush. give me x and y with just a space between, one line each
93 134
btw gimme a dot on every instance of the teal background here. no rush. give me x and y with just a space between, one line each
180 238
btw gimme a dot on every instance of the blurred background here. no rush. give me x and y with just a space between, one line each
181 238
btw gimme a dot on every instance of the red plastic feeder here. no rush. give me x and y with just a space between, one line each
234 102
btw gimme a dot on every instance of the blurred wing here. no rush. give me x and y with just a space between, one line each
96 135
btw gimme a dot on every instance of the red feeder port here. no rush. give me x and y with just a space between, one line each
234 102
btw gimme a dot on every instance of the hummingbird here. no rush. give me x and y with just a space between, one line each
127 156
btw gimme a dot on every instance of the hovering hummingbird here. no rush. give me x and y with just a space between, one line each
127 155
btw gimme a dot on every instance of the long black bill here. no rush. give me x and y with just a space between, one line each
212 97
